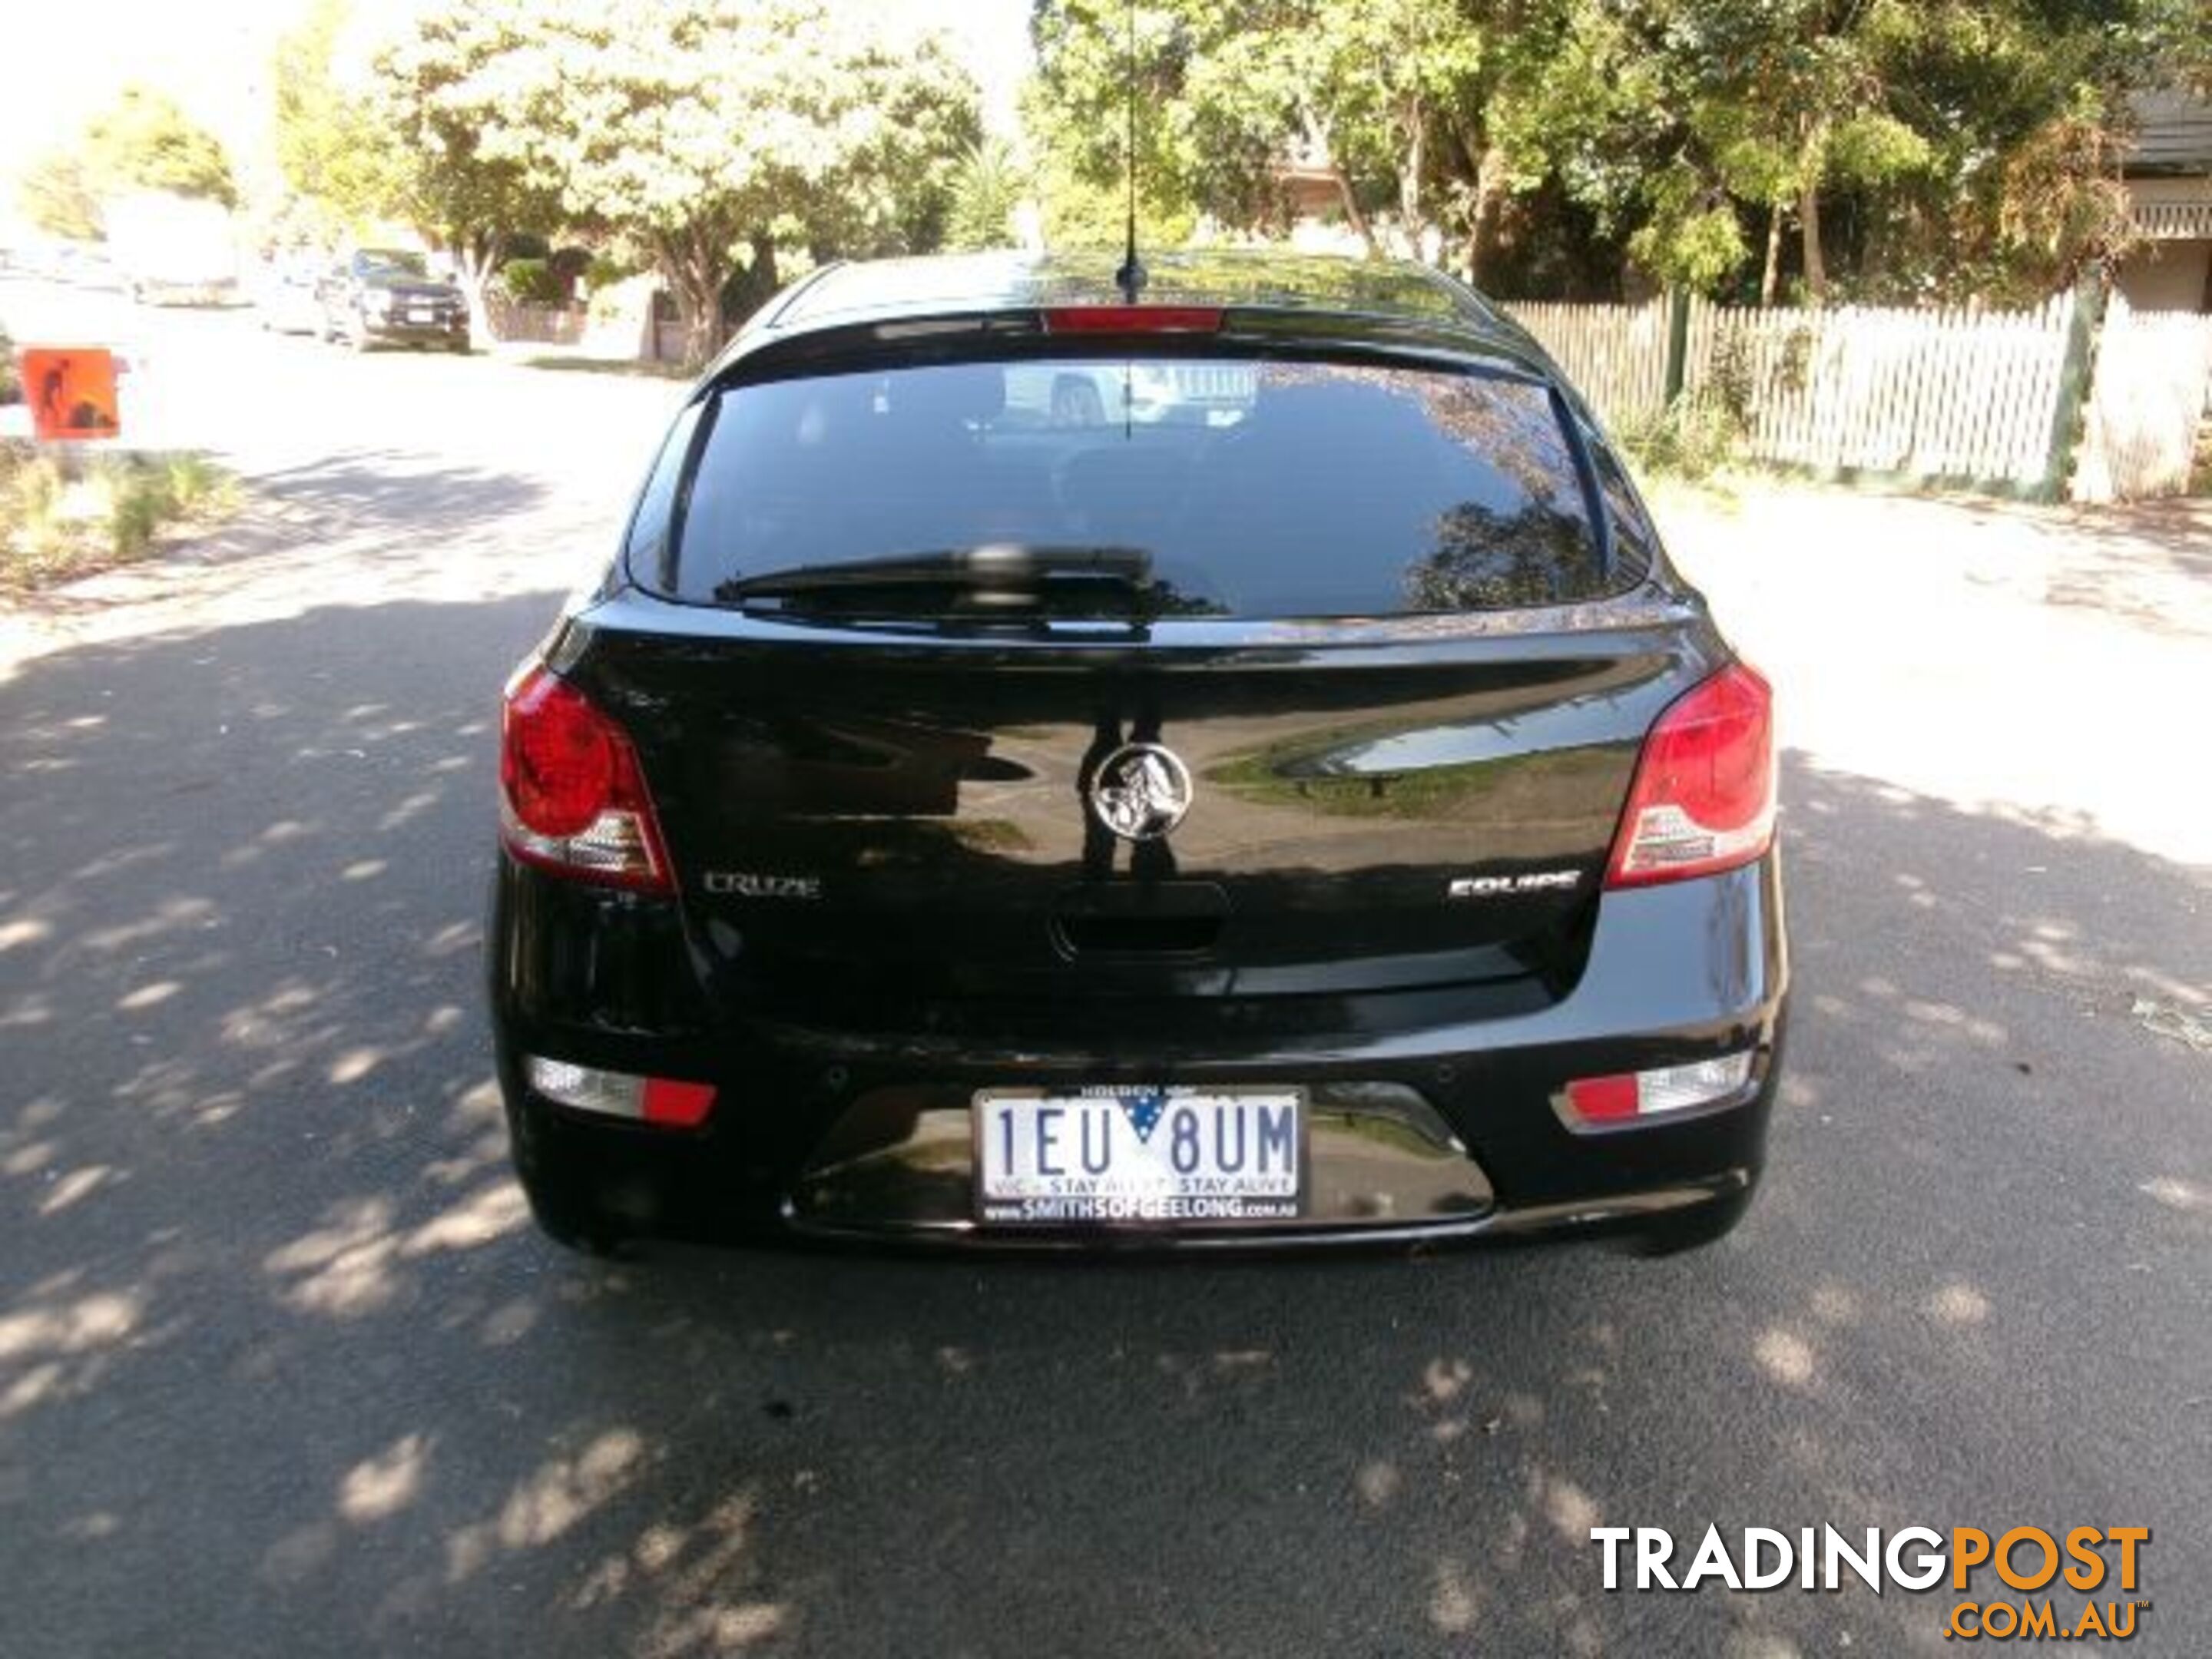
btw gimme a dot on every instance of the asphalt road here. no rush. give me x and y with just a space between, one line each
284 1371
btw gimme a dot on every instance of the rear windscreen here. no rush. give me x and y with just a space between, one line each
1255 489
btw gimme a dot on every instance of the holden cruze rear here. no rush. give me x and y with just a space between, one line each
1230 769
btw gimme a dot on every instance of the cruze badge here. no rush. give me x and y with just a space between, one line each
744 884
1141 792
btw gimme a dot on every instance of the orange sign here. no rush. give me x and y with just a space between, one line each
71 390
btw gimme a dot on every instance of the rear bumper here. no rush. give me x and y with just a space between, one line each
852 1135
392 332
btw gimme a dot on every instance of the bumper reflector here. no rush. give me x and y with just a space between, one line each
1628 1095
618 1094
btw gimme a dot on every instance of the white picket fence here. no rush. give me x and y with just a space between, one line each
1616 356
1931 394
2152 388
1937 394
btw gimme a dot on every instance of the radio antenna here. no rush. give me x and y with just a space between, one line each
1130 279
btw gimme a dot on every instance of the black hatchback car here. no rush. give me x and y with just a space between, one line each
1234 768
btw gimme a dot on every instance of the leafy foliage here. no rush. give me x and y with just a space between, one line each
338 157
56 195
436 90
1228 90
1881 148
531 282
988 185
714 138
718 143
145 142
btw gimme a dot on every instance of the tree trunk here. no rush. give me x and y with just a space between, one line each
475 255
699 310
1352 211
1816 271
762 278
1770 277
694 289
1409 181
1489 190
694 264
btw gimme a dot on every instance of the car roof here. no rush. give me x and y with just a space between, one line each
1384 290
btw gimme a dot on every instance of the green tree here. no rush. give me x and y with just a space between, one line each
988 184
1913 146
1966 145
337 157
146 142
383 118
1392 100
714 137
437 88
54 195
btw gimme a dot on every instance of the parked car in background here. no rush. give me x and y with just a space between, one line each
285 300
81 265
173 250
1315 813
1145 393
388 296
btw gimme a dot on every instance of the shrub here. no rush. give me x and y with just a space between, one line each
34 535
604 271
61 514
33 482
1693 437
133 496
530 282
196 484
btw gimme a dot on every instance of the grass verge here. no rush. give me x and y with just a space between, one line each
64 514
633 367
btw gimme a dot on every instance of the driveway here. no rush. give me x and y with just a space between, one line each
283 1368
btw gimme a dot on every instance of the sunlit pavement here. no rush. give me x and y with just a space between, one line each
283 1369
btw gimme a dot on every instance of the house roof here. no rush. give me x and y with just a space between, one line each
2173 134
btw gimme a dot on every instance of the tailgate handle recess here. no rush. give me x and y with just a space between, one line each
1140 918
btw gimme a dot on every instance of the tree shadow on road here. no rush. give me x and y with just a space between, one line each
282 1366
358 529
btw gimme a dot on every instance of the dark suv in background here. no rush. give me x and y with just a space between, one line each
388 296
1231 769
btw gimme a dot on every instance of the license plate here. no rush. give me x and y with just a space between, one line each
1116 1155
423 316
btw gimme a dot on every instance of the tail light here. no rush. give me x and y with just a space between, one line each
665 1101
1626 1096
1704 796
572 798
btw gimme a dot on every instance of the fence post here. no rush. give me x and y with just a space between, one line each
2074 379
1678 343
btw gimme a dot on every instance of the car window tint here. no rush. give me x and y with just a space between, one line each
1635 542
649 524
1260 488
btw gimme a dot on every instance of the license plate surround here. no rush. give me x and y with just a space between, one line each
1147 1192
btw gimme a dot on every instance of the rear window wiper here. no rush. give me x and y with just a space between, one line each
1016 570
